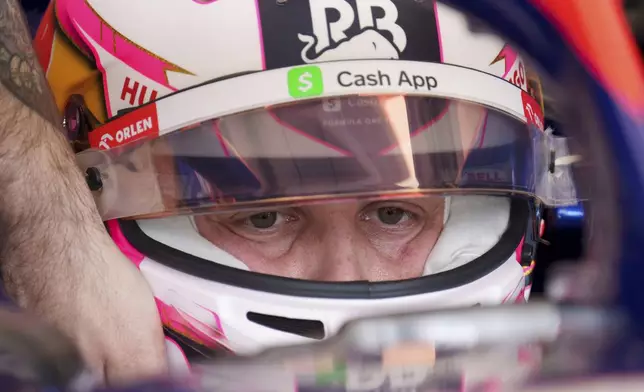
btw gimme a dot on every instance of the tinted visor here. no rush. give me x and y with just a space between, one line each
349 147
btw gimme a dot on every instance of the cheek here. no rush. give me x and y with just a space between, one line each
417 251
406 259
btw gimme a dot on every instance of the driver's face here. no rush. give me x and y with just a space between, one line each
375 241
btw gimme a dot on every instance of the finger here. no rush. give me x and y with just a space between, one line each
140 357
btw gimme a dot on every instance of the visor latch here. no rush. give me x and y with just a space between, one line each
93 179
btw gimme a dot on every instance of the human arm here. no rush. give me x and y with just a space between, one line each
55 255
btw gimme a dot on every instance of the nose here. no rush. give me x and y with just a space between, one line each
341 251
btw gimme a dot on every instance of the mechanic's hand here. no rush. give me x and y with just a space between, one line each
106 306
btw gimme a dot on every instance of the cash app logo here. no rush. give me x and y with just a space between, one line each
305 82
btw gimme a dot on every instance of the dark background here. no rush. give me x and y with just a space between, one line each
34 10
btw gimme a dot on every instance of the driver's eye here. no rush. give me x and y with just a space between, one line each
391 215
263 220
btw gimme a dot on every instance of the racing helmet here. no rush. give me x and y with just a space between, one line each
216 135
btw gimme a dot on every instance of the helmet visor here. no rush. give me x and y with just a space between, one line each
347 147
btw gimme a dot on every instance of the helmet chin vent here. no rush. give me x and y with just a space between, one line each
313 329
